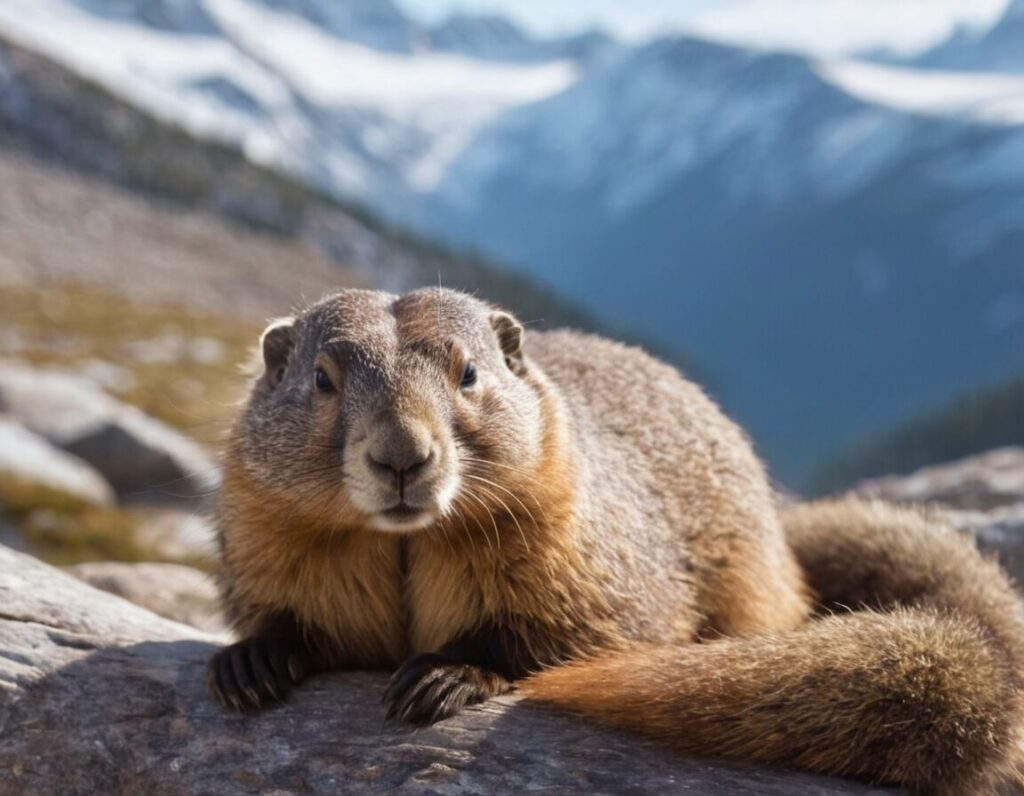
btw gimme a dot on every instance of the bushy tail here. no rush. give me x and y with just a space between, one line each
912 674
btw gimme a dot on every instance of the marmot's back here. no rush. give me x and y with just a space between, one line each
670 484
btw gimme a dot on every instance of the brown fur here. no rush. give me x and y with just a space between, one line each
608 525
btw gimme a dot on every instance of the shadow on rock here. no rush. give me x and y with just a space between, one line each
137 719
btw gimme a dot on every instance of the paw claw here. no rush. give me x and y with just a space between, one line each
251 675
295 669
429 688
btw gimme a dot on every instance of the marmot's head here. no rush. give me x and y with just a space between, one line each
392 412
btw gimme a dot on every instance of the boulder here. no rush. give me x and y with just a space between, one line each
32 461
173 591
103 696
10 534
983 496
144 460
977 483
999 531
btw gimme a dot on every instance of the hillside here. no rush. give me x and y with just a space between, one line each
56 116
351 96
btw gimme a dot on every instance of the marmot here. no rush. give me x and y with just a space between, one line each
417 484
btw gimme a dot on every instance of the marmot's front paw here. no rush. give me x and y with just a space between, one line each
430 687
255 674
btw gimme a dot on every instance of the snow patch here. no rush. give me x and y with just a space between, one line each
991 98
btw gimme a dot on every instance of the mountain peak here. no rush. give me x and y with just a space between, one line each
483 36
376 23
497 38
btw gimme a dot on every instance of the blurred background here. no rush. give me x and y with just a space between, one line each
814 207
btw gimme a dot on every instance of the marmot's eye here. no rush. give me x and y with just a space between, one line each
468 376
322 380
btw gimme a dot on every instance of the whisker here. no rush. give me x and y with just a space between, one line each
444 531
483 505
509 492
533 498
518 470
465 528
511 514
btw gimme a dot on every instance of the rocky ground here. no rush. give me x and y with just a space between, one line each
102 696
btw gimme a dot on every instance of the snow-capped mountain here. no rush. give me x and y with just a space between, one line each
836 242
997 49
487 36
350 94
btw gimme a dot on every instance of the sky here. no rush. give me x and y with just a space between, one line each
822 26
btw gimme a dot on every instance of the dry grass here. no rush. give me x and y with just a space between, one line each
62 530
179 364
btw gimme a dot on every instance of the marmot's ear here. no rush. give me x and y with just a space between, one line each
277 343
510 338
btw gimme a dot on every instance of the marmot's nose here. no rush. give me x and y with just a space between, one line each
400 458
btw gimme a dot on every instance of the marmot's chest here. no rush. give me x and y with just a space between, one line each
383 598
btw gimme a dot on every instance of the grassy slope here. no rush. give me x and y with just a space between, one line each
60 530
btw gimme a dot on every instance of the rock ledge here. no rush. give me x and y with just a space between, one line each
103 696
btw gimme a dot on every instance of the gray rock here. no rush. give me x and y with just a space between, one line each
10 534
144 460
977 483
105 697
173 591
999 531
982 495
29 458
